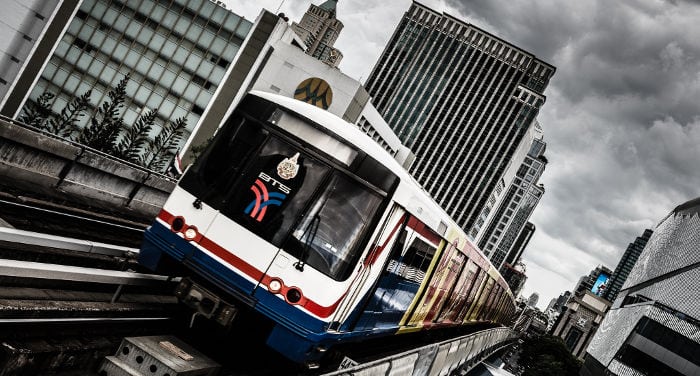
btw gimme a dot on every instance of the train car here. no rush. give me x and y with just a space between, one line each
296 215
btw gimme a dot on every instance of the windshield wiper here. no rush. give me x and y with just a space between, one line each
310 234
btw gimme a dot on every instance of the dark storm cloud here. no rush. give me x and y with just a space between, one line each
621 120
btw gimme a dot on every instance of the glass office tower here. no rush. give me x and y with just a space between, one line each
461 99
176 53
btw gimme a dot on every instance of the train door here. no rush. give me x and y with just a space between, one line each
404 273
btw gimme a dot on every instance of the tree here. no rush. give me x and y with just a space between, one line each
65 125
163 148
104 128
136 138
547 355
35 113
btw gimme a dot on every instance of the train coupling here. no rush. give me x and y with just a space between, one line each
205 303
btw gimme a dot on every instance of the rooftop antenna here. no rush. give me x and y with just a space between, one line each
280 6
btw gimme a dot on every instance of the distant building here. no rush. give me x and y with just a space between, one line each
597 282
560 302
533 299
514 276
629 258
580 317
515 208
653 327
462 100
319 30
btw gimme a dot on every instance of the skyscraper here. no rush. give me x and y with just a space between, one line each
629 258
461 99
319 30
515 207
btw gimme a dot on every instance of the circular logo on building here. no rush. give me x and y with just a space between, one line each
314 91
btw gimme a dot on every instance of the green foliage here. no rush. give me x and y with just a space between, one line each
65 125
163 148
104 128
106 131
547 355
136 138
36 113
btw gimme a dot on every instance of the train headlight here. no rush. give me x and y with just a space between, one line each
275 286
191 233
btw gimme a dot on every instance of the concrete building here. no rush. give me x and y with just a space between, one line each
581 316
514 276
625 265
22 25
178 55
462 100
319 29
652 327
282 66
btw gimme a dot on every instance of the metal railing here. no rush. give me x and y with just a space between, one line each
443 358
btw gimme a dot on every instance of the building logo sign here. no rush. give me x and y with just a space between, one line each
314 91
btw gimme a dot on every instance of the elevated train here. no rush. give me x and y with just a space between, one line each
297 216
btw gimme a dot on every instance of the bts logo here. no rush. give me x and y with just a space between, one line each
268 179
263 198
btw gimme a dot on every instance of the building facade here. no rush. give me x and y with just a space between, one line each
22 25
177 54
624 267
319 29
515 208
653 327
582 311
461 99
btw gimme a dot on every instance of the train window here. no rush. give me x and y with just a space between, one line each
414 263
331 230
213 173
273 190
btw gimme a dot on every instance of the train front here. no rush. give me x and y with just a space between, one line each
272 217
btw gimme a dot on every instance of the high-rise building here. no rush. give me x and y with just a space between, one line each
319 29
515 208
652 328
629 258
178 54
461 99
513 257
583 311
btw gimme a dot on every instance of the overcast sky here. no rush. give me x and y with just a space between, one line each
621 120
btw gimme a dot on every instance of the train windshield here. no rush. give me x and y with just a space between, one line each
286 195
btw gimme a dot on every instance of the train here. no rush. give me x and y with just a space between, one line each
298 216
